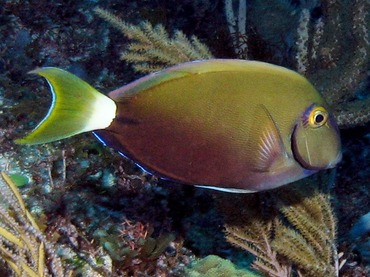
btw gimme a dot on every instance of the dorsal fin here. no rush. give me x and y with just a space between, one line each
196 67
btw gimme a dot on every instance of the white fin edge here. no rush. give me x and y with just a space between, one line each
103 111
232 190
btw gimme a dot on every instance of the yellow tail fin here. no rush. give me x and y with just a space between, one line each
76 108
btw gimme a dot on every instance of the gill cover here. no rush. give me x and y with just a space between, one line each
76 108
315 140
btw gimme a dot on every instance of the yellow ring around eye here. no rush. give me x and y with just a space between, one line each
318 117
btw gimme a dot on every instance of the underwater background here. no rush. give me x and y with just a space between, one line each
88 211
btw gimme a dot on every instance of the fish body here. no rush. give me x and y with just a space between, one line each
232 125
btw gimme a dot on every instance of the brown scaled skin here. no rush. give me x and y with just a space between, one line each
206 129
232 125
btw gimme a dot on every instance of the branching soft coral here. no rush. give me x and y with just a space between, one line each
152 48
290 228
23 246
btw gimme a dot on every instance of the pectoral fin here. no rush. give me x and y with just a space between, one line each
268 154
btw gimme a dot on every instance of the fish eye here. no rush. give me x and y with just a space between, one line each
318 117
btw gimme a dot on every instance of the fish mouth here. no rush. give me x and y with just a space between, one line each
334 163
311 157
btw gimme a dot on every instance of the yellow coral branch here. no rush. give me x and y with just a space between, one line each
152 48
26 252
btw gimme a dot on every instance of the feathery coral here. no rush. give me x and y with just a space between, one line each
152 48
313 235
251 230
296 232
23 247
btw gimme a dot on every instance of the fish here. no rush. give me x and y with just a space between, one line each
231 125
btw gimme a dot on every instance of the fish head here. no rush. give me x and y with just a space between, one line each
315 140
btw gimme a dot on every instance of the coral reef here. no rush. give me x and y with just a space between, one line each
152 49
212 265
330 41
90 197
317 52
237 27
23 246
312 39
294 229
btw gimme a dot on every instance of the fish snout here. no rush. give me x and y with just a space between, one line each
334 162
